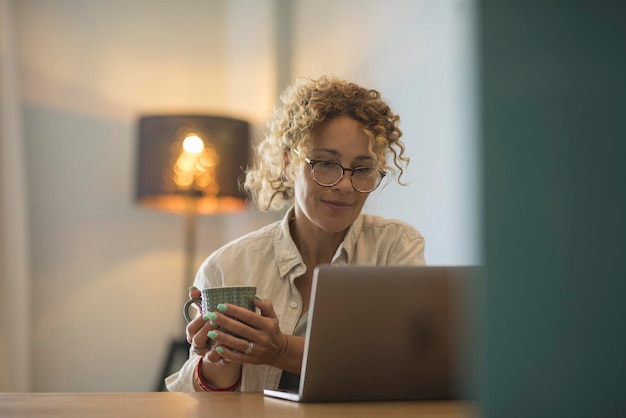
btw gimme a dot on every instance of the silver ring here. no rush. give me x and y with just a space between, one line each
250 348
196 350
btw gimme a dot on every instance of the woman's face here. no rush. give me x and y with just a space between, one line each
332 209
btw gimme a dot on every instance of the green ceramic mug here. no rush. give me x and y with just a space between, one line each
236 295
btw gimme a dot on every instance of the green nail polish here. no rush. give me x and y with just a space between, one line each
221 307
212 323
259 298
220 350
209 315
212 335
192 288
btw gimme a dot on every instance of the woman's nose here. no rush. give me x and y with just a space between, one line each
345 184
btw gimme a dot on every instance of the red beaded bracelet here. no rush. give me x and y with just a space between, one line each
205 386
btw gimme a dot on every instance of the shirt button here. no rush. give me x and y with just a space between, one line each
293 305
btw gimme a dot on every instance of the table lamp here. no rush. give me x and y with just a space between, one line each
191 165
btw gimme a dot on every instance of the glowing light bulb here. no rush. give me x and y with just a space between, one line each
193 144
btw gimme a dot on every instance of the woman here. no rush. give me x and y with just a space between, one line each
329 145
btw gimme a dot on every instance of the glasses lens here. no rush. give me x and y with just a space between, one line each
366 179
327 173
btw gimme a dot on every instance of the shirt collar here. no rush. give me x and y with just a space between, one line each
347 248
288 256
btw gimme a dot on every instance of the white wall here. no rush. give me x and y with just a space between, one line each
107 274
420 56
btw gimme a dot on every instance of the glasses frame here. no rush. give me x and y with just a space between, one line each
343 173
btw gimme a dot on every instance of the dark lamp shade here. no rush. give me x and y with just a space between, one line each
201 177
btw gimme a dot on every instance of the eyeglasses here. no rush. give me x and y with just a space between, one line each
327 174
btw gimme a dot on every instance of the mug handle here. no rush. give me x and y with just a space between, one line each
188 317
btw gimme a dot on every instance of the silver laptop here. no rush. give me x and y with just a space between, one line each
386 333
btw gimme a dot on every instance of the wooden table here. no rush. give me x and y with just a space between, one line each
218 405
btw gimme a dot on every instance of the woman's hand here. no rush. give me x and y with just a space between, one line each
259 339
198 329
215 370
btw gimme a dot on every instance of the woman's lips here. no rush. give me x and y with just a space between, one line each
335 204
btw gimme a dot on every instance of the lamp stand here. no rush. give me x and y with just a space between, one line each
178 351
190 249
190 164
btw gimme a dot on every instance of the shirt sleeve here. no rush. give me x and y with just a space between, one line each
182 380
409 249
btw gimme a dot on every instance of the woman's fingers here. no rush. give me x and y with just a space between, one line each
215 355
257 338
248 326
194 293
251 318
266 308
197 334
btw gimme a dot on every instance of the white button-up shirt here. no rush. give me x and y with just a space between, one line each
269 259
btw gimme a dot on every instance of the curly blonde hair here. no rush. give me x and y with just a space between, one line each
301 110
